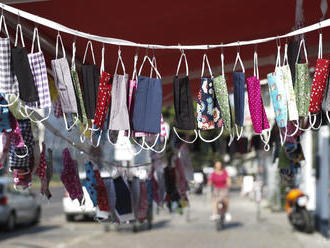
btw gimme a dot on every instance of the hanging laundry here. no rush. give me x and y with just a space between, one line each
21 66
8 80
302 85
39 72
221 93
5 125
64 85
123 200
104 96
208 110
119 118
77 88
90 183
90 81
70 177
132 92
103 209
319 81
148 102
183 103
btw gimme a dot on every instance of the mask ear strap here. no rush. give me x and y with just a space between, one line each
26 153
285 58
222 57
154 62
255 65
205 58
163 149
312 124
59 38
320 53
12 103
266 140
232 137
141 146
121 61
83 134
98 139
35 36
238 58
19 30
89 43
212 140
183 55
154 144
135 65
278 58
66 123
302 43
143 143
239 134
73 61
297 129
102 60
3 19
33 111
283 139
186 141
149 60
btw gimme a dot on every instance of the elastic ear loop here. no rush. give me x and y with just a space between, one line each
19 29
154 144
297 129
239 135
309 121
154 62
23 156
92 128
102 60
2 18
285 134
142 146
35 36
183 55
212 140
59 38
238 58
12 103
302 42
83 134
315 119
121 61
141 67
266 140
186 141
66 123
320 53
205 58
115 144
231 139
98 139
89 43
162 150
33 111
25 115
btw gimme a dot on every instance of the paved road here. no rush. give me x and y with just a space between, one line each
170 231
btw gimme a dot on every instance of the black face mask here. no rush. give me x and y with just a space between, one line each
184 111
90 81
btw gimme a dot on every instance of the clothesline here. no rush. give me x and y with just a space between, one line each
121 42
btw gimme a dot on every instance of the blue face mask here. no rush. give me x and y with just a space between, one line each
90 183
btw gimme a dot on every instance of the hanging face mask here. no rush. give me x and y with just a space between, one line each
183 103
148 102
90 81
291 97
77 88
64 85
302 85
119 119
90 183
39 72
70 177
132 91
319 82
103 208
5 125
21 66
256 106
8 80
208 110
104 95
277 92
239 96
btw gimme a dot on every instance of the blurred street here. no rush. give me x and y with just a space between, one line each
193 229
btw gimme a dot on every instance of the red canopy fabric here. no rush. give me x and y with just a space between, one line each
186 22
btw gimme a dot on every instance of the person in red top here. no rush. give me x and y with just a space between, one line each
220 182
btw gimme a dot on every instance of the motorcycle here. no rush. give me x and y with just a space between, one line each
299 217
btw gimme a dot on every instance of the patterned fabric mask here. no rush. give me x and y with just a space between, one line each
102 198
302 85
70 177
90 183
221 92
208 110
319 81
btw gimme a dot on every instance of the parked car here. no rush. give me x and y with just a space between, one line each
17 207
72 208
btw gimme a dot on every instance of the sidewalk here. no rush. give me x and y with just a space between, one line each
243 231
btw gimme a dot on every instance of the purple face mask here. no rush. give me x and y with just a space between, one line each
70 177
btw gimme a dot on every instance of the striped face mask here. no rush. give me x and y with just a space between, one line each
256 106
278 95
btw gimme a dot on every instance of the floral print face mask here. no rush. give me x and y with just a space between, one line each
208 110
